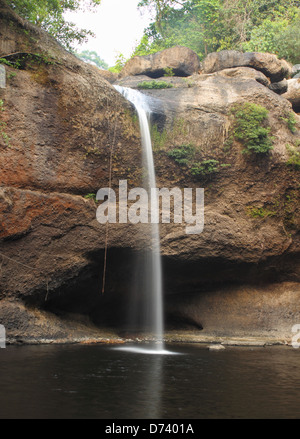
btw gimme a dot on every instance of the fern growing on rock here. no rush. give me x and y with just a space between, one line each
251 128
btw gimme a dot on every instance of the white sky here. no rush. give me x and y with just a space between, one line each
118 25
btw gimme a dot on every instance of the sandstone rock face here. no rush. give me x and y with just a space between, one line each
66 149
293 93
182 61
109 76
266 63
233 311
63 127
197 111
60 124
245 72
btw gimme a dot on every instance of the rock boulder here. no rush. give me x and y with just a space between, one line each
181 60
279 87
293 93
295 70
269 64
245 72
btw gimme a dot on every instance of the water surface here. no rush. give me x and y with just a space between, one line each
101 382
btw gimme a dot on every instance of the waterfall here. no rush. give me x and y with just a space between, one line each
153 269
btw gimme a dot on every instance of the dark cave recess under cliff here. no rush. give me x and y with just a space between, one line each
184 281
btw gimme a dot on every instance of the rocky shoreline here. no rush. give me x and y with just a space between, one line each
171 338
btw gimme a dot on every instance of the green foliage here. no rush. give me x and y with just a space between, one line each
289 209
294 159
36 12
183 154
169 72
92 57
189 82
212 25
24 60
89 150
49 15
225 165
279 35
260 212
162 138
159 138
5 62
189 156
250 128
120 63
207 167
193 25
264 37
283 207
146 46
150 85
291 122
288 41
90 197
11 75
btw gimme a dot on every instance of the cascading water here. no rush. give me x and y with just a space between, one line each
153 269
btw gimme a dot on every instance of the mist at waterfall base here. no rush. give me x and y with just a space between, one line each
148 304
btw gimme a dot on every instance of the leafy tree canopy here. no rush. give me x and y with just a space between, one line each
212 25
120 63
92 57
49 14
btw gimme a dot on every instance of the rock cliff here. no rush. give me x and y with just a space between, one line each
65 131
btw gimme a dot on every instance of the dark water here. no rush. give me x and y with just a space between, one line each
104 383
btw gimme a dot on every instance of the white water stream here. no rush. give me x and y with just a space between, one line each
153 270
